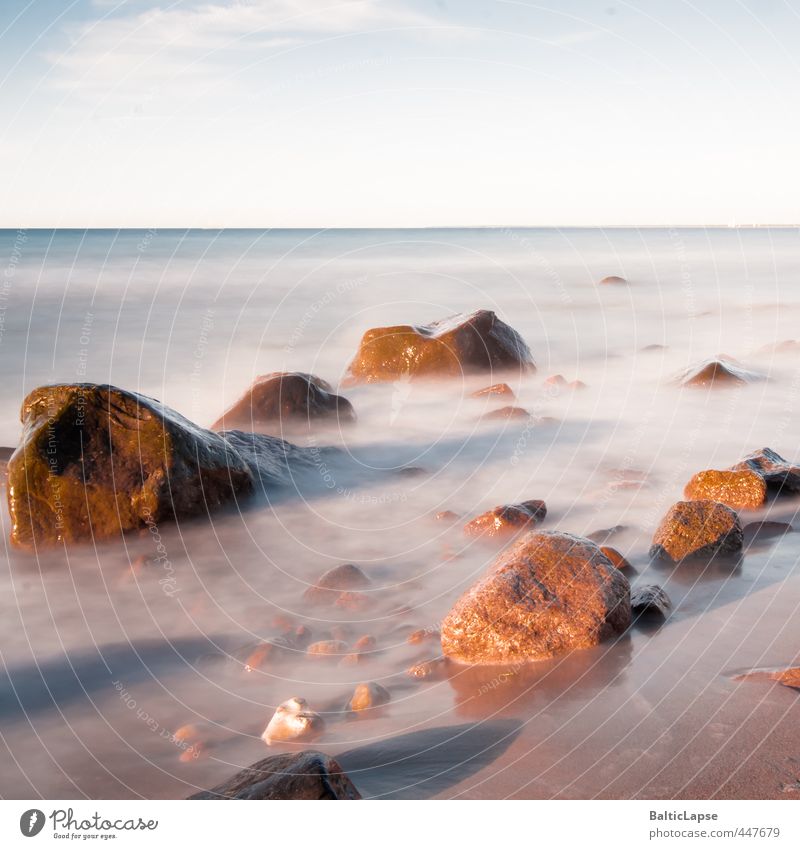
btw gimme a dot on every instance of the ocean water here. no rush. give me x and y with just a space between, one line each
106 653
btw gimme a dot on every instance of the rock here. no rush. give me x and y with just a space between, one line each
655 347
369 695
778 473
500 390
697 529
366 642
506 413
615 558
452 347
613 280
306 775
95 461
741 490
286 398
327 648
354 601
446 516
557 380
507 520
604 534
429 670
355 658
650 600
789 677
757 531
421 635
576 384
266 653
548 593
717 372
332 583
293 720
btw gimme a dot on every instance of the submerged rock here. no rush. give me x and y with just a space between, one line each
717 372
789 676
306 775
328 649
777 473
369 695
96 460
613 280
742 490
458 345
758 531
293 720
507 520
429 670
616 559
697 529
500 390
549 593
650 600
330 585
286 398
506 413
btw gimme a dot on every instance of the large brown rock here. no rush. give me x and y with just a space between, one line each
548 593
717 372
306 775
778 474
462 344
697 529
95 460
286 398
742 490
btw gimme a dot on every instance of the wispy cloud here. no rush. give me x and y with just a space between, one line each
186 39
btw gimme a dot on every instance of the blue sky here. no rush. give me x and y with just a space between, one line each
306 113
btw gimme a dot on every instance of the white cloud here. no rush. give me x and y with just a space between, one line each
118 54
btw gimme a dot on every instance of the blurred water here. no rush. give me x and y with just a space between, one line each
191 317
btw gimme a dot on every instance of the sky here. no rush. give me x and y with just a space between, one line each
398 113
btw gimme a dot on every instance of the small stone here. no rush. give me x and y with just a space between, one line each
429 669
333 582
353 601
365 643
501 390
555 380
717 372
741 490
507 413
327 648
697 529
293 720
422 635
649 600
507 520
606 533
258 655
576 384
613 280
355 658
446 516
617 560
369 695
